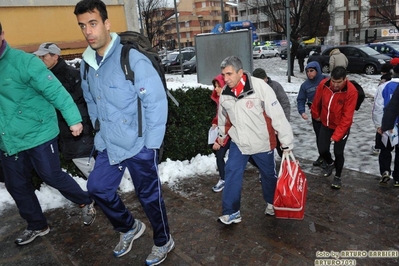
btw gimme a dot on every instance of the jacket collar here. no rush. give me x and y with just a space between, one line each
89 55
344 89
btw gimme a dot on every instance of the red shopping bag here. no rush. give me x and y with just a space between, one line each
291 189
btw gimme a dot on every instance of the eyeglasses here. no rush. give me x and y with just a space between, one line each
310 70
245 94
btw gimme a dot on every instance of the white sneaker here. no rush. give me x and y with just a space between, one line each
231 218
219 186
269 209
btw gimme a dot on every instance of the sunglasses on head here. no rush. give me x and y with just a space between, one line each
310 70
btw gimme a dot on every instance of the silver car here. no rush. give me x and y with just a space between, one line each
264 52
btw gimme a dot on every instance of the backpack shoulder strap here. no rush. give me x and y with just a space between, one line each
86 70
125 64
129 75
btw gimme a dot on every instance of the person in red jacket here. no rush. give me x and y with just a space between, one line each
334 105
219 150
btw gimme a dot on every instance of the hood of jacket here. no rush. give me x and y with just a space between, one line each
219 78
335 51
316 80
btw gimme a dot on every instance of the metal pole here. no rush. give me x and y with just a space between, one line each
178 40
288 22
222 12
141 20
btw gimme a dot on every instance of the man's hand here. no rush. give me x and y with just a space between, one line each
304 116
216 146
76 129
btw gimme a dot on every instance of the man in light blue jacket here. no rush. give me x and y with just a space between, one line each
112 104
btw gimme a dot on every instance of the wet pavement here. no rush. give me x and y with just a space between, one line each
361 217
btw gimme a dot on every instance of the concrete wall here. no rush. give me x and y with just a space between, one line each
27 24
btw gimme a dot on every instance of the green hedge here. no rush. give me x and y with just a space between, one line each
186 130
188 124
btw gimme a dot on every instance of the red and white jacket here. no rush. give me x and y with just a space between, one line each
255 116
335 109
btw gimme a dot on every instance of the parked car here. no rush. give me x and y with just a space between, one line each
190 66
172 61
389 49
264 52
392 41
361 58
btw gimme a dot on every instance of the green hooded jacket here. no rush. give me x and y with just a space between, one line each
29 92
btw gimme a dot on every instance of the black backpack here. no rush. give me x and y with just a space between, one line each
137 41
360 94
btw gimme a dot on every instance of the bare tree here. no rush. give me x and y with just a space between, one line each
154 14
384 11
308 18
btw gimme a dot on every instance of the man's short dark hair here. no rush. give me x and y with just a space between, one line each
85 6
338 73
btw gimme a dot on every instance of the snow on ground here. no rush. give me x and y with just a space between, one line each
358 154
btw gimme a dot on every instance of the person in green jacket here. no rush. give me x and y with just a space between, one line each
29 94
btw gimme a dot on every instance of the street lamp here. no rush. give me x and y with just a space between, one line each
200 19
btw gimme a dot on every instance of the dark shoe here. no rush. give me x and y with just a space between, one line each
318 162
88 214
385 178
328 170
30 235
336 182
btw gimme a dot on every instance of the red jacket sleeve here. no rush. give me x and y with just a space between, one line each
215 98
316 103
347 113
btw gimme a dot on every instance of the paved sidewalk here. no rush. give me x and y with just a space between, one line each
359 217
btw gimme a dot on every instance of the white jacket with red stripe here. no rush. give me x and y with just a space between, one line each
253 118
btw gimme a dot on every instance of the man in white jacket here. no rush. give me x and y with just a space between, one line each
251 115
381 100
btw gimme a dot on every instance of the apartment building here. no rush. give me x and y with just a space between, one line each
196 17
349 20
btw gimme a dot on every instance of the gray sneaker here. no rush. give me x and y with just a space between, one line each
231 218
89 214
269 209
126 239
30 235
385 178
159 254
219 186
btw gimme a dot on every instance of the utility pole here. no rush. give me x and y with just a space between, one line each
140 18
222 13
178 39
288 22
